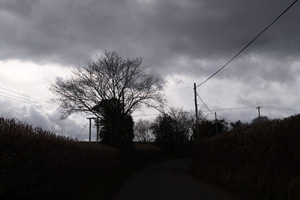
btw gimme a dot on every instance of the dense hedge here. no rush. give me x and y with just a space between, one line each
260 160
36 164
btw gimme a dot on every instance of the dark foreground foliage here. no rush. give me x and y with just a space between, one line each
171 136
36 164
260 160
116 126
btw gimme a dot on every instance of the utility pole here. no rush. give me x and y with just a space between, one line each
196 109
123 101
217 131
90 135
258 108
97 135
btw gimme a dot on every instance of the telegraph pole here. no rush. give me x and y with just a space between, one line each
196 109
90 135
258 108
217 131
97 135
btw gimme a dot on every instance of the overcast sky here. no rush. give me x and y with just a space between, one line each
183 42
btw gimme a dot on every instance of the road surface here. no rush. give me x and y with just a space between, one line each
170 180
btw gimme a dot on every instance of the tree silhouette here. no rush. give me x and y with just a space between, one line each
207 128
142 130
111 88
260 119
172 133
163 129
108 77
116 126
238 124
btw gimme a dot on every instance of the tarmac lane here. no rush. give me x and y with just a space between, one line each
170 180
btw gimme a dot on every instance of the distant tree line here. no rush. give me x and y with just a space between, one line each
173 131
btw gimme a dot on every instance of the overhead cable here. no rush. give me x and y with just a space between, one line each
236 108
205 104
28 101
25 97
180 88
236 55
18 93
211 111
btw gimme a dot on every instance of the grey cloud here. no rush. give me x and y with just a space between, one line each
216 28
268 69
49 121
71 31
20 8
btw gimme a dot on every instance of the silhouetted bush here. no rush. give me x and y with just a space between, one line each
36 164
208 128
261 160
169 138
116 126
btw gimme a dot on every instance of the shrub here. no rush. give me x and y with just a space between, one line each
261 160
37 164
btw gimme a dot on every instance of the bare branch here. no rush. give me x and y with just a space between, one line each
109 76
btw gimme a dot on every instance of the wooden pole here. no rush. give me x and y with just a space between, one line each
258 108
90 130
196 110
217 131
97 121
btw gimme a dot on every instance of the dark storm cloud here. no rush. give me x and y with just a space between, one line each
22 8
71 31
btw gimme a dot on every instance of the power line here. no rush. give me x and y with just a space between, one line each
20 97
205 104
236 55
18 93
80 134
4 94
236 108
214 113
183 88
30 100
224 118
24 97
17 98
258 109
282 108
26 101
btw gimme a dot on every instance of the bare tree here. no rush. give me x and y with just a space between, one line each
185 120
108 77
174 131
142 130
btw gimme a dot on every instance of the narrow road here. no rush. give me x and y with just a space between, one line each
169 181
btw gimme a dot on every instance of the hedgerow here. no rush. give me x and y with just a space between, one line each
37 164
260 160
